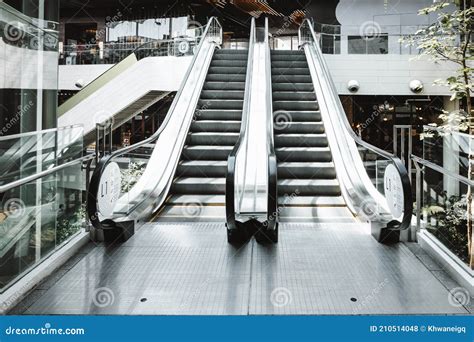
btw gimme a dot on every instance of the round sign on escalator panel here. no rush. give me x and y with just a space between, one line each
393 190
109 189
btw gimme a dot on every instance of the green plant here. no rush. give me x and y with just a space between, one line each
68 226
451 224
131 175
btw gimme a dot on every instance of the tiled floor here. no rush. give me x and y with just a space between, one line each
172 268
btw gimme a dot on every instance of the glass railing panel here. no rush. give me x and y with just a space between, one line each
24 154
37 218
448 149
444 211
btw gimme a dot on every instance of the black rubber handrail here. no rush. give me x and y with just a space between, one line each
406 184
231 160
91 207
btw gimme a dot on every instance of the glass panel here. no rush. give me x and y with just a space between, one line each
444 211
37 218
29 153
448 149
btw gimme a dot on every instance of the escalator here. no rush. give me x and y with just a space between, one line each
198 190
307 185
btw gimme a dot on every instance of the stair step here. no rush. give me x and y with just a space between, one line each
295 105
290 71
291 58
287 52
225 78
218 114
228 63
213 138
295 140
311 201
206 152
227 70
305 170
309 187
291 79
197 199
224 86
287 127
300 115
220 104
202 168
293 96
303 154
199 185
289 64
233 52
222 94
281 86
215 126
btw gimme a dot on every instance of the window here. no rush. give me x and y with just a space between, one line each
371 45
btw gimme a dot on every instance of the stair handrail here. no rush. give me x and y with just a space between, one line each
401 169
232 158
92 208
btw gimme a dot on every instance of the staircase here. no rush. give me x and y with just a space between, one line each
198 190
308 189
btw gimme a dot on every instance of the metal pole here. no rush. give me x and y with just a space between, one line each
97 140
395 140
418 190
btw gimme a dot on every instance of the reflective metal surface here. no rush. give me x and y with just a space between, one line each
190 269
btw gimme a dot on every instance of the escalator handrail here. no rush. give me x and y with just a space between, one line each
407 195
231 160
92 209
272 199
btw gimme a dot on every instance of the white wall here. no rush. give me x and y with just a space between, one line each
387 74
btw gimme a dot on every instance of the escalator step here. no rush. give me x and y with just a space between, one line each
229 63
222 94
206 152
315 187
292 86
290 71
301 116
225 78
296 140
280 58
303 154
225 86
287 52
295 105
289 64
227 70
291 79
219 114
312 201
220 104
215 126
202 168
324 170
300 128
293 96
212 138
199 185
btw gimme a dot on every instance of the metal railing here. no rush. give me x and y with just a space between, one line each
112 53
